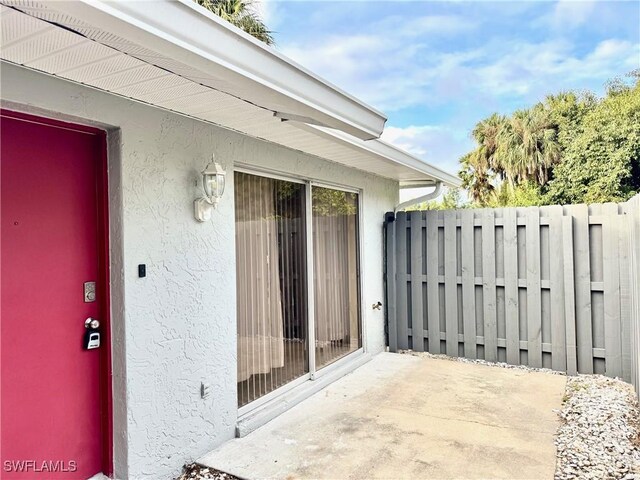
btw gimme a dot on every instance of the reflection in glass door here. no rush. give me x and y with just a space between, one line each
271 284
335 268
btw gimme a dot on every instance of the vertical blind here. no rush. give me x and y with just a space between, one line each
272 303
271 284
335 263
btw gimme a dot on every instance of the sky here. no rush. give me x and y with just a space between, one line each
437 68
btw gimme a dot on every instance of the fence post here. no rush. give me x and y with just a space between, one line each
390 279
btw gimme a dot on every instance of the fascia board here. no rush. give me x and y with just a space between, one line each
187 33
388 152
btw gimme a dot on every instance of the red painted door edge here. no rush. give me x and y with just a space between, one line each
102 187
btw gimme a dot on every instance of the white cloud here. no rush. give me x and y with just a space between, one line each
270 13
441 25
441 146
401 63
392 74
571 13
531 70
611 48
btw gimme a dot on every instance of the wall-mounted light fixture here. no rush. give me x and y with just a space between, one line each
213 186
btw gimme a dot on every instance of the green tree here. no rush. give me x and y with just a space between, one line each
525 194
476 179
602 162
242 14
527 147
567 111
571 148
479 167
518 149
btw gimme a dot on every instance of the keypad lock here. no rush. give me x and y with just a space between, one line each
92 334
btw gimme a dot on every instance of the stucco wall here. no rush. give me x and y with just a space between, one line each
176 327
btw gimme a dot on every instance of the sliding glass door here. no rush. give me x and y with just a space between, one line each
335 268
271 284
275 228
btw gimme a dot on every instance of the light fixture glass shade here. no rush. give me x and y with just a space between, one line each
213 181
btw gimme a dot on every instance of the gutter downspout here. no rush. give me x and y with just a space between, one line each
429 196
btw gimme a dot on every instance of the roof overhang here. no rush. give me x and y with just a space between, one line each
384 150
178 56
182 32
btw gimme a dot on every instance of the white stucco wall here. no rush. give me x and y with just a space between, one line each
177 327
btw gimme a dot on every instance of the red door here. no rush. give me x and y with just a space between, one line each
52 403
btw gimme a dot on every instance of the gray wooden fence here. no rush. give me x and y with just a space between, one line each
539 286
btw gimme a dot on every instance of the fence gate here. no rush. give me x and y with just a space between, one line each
538 286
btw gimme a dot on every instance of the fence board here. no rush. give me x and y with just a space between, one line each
556 285
632 208
510 234
451 284
625 298
534 301
611 279
582 279
401 291
417 252
489 286
433 297
468 283
569 295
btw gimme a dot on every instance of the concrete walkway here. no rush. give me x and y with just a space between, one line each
401 416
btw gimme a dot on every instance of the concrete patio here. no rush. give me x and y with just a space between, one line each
402 416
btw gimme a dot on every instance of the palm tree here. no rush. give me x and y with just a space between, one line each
527 147
520 149
242 14
486 134
476 179
480 166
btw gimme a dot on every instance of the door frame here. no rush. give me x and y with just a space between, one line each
104 295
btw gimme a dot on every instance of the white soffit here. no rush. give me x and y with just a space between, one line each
36 36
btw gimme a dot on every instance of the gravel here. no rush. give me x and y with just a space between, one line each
480 362
599 435
195 471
